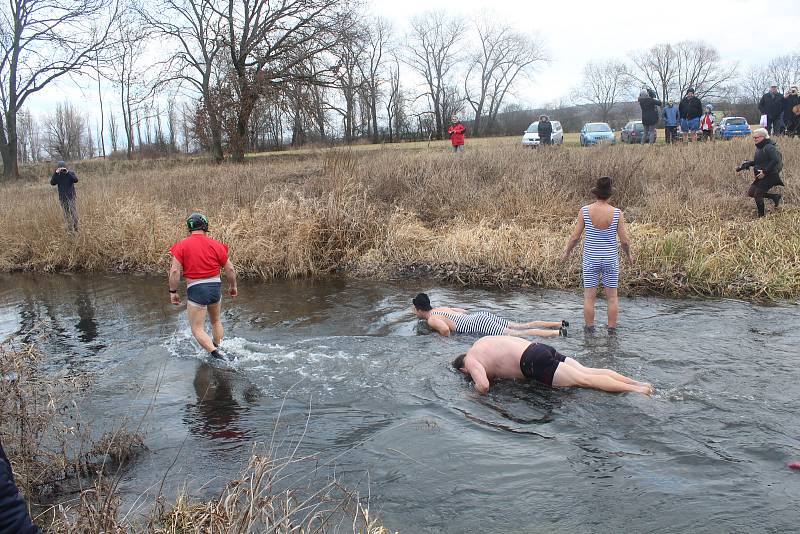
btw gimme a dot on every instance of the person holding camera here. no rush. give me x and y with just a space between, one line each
456 133
65 179
771 105
545 130
767 164
649 104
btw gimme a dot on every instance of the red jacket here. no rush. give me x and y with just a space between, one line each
456 132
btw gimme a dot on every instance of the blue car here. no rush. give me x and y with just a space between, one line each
731 127
594 133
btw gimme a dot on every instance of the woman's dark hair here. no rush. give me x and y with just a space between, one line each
602 190
458 363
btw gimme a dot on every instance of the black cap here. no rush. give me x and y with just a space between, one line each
422 302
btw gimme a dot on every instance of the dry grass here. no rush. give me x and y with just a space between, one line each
496 215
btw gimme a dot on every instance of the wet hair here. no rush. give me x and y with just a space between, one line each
602 189
458 363
422 302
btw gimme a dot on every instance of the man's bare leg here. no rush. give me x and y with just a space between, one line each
573 376
612 298
589 298
531 332
535 324
608 372
216 323
197 321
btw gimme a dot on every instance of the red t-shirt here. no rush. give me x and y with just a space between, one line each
200 256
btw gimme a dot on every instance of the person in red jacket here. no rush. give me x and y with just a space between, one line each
200 258
456 132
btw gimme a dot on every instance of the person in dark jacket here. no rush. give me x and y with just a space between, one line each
649 105
791 112
545 130
65 179
771 105
767 164
14 516
671 122
690 110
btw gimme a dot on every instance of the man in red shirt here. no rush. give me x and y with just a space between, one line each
200 259
456 132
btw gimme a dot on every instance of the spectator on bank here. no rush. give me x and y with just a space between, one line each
14 516
66 179
791 112
545 130
771 105
767 164
707 122
649 105
690 110
671 119
456 132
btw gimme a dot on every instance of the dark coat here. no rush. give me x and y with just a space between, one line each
14 515
690 108
768 159
788 106
649 107
545 129
65 182
771 105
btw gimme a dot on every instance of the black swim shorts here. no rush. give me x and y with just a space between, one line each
204 294
539 362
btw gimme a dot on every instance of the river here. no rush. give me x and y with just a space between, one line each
374 395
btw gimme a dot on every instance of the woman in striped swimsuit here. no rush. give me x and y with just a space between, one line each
602 224
448 321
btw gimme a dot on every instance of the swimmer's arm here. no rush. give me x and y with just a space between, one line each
459 310
478 374
574 238
624 237
439 325
230 274
175 271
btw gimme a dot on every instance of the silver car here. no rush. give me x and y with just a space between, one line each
530 137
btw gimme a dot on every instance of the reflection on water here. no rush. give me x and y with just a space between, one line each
344 369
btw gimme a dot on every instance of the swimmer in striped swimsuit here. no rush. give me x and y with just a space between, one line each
448 321
601 224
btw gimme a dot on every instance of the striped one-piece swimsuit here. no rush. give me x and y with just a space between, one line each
600 253
481 323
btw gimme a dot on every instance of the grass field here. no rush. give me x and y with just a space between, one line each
497 214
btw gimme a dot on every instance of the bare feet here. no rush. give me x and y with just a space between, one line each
646 389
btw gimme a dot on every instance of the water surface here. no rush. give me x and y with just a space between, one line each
344 365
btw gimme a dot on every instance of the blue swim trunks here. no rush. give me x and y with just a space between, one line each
690 125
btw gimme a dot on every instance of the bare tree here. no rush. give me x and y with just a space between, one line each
700 66
377 35
754 83
603 85
433 52
65 132
265 41
657 68
393 101
784 71
112 131
502 56
196 28
41 41
348 79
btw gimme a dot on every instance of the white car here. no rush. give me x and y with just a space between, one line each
531 136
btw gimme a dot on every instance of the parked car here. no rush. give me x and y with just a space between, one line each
631 132
530 137
594 133
730 127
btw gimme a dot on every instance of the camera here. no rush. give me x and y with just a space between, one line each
746 164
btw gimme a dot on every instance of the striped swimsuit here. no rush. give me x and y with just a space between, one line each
481 323
600 255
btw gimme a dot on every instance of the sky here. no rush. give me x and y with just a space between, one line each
574 32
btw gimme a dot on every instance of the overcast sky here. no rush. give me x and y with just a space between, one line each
576 31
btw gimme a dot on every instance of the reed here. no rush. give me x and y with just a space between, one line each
496 215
